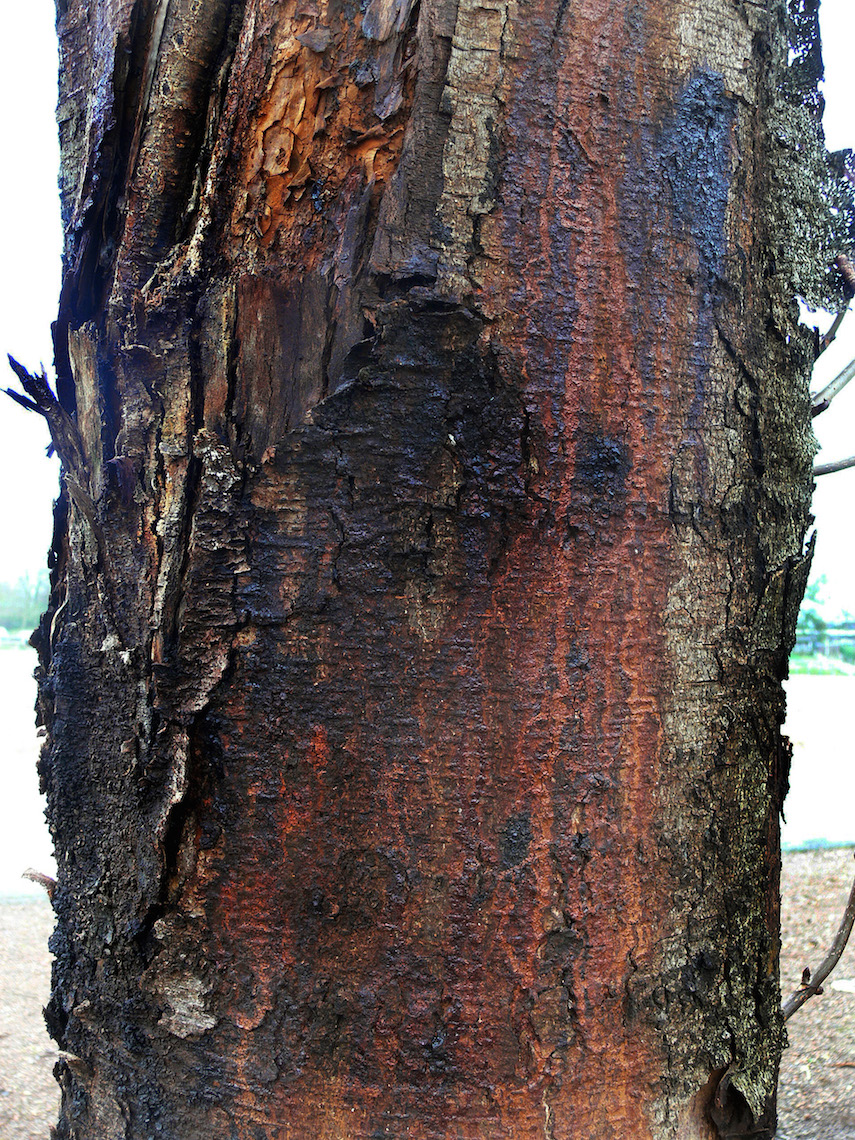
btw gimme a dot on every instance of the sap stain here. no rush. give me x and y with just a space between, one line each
601 467
694 152
699 976
515 840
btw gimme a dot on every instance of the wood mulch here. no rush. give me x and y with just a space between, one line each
817 1087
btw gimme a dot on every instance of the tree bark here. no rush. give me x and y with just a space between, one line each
425 571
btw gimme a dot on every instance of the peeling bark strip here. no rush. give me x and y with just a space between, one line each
425 572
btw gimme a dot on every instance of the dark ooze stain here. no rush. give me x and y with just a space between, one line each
602 465
515 840
694 146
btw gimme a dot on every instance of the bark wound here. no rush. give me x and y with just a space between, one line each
421 587
334 97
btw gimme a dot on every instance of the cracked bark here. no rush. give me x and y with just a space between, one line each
412 681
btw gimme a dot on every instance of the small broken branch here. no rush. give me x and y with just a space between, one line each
22 400
78 1066
830 468
69 447
43 880
39 398
813 985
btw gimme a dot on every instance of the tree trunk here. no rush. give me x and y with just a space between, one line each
437 469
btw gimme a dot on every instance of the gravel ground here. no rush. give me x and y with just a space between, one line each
29 1096
817 1088
816 1100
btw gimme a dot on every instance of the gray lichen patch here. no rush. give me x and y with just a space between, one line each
177 982
186 1015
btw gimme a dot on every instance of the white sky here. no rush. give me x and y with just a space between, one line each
835 429
30 243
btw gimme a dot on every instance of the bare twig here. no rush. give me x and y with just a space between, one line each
847 272
813 985
837 465
831 335
821 400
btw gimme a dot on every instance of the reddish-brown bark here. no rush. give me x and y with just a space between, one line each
420 607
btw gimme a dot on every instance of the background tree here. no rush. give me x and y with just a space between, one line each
434 416
22 604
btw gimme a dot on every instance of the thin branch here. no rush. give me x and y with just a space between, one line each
811 986
822 399
831 335
830 468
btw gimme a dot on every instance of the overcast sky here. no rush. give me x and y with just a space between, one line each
835 429
30 244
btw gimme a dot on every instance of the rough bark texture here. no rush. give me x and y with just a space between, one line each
422 595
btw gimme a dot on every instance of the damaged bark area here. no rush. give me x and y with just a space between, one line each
425 569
